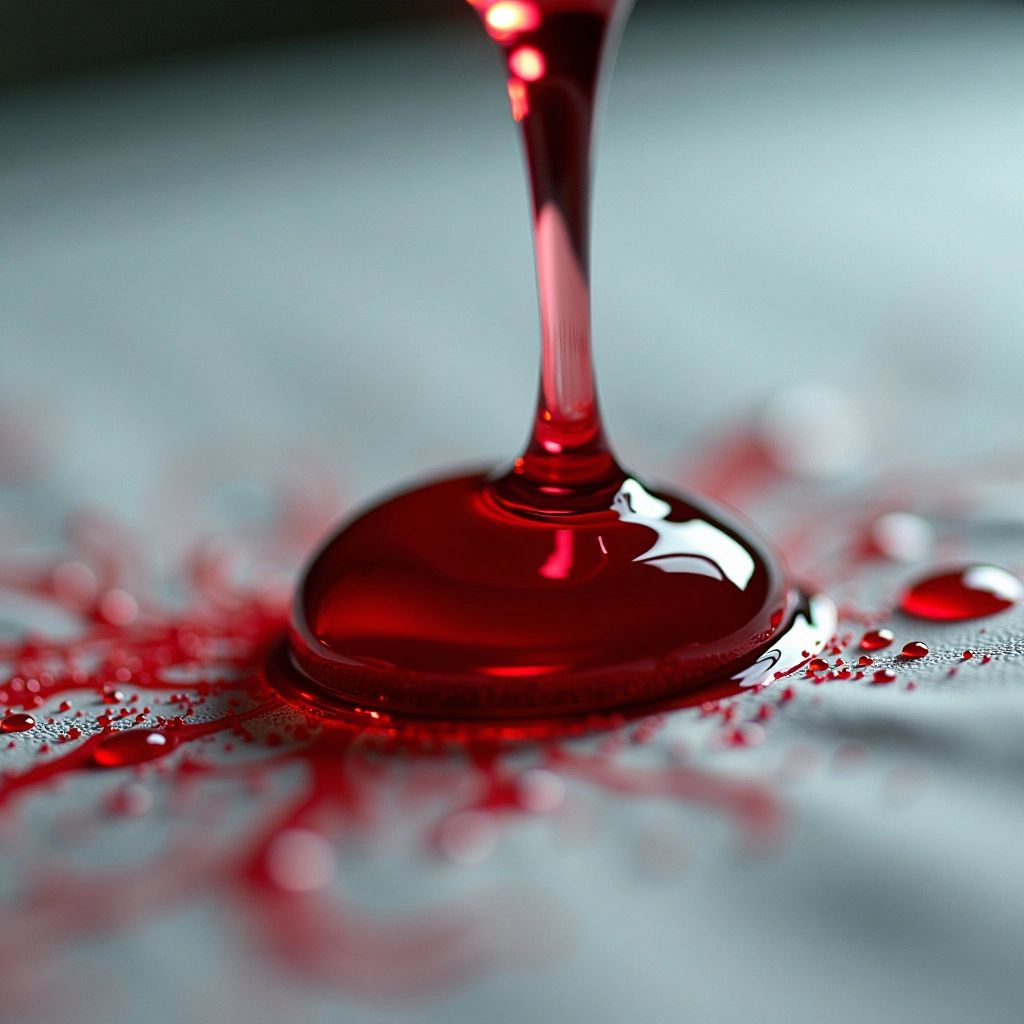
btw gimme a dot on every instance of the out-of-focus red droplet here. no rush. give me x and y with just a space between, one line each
884 675
818 665
518 98
527 63
876 639
118 607
915 649
133 746
864 661
505 19
970 592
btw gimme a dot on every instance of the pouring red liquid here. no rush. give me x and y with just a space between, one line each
559 592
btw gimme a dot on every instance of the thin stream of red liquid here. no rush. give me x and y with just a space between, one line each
546 598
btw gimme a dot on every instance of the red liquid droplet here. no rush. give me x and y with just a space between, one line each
133 746
876 639
562 588
969 593
818 665
884 675
17 723
468 617
864 661
915 649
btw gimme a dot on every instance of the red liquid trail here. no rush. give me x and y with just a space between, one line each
549 597
193 678
973 592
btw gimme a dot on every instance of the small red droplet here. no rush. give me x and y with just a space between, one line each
968 655
864 661
17 723
915 649
884 675
749 736
876 639
133 746
818 665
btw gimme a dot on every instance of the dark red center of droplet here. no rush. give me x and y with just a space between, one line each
133 747
17 723
971 592
876 639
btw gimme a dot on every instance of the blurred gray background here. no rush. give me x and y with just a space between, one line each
327 238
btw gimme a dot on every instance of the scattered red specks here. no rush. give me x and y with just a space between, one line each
745 736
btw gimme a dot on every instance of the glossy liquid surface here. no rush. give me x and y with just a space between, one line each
563 587
484 617
973 592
